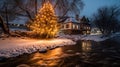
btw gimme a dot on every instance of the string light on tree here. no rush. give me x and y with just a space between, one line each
45 23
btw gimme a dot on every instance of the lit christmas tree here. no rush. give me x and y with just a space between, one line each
45 24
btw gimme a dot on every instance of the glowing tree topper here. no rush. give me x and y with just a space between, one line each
45 23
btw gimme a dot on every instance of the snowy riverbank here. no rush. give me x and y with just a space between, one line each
12 47
15 46
96 38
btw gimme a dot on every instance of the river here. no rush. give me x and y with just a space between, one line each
83 54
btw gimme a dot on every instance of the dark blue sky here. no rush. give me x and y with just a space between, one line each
91 6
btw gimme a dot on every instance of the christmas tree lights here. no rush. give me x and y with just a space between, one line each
45 23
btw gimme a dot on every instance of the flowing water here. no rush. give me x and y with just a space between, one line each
83 54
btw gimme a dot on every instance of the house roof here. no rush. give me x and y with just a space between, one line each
73 20
20 20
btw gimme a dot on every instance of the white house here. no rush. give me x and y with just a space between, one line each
73 26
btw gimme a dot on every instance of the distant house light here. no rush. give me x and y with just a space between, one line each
73 26
18 25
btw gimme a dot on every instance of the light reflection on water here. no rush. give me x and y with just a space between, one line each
83 54
53 57
50 58
79 54
86 46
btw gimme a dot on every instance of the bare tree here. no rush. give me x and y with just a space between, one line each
62 7
8 12
10 9
106 19
3 26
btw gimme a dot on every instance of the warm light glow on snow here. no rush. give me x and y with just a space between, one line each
16 46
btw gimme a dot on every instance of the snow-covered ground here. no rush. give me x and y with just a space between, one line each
12 47
96 38
18 29
84 37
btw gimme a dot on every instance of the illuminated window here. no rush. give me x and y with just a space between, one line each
88 28
73 26
88 31
77 26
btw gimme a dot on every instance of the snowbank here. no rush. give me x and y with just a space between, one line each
84 37
12 47
96 38
18 29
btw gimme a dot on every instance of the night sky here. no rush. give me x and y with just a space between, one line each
91 6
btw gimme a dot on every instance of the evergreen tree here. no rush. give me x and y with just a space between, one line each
45 23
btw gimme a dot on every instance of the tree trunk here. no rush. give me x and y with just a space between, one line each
3 26
36 7
6 10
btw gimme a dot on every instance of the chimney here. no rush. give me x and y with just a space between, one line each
77 17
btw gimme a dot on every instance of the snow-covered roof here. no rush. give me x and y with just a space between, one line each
20 20
73 19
